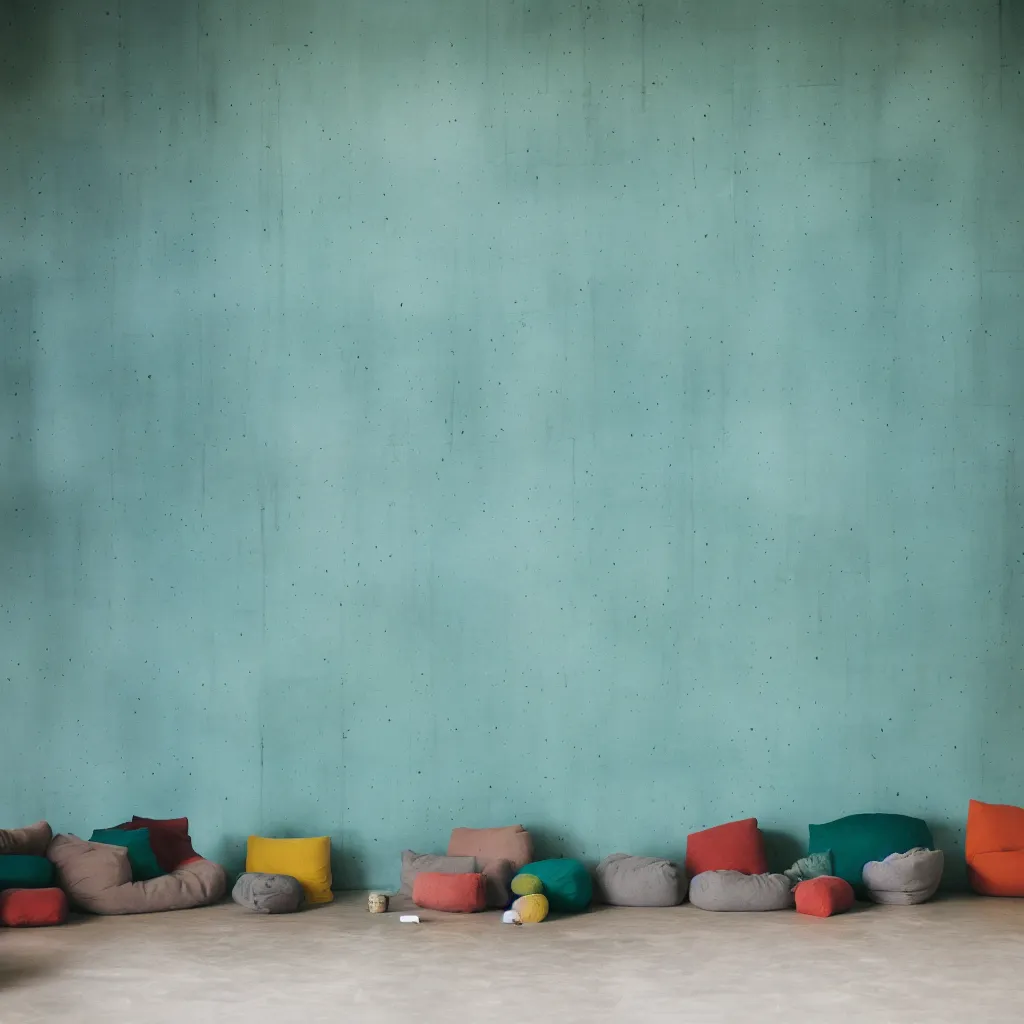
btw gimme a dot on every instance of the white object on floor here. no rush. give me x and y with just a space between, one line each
410 919
511 917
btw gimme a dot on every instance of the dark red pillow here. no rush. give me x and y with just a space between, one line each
32 908
169 838
456 894
738 846
824 896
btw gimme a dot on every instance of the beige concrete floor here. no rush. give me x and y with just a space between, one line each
959 959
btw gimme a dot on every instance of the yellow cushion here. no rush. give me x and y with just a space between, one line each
531 909
306 860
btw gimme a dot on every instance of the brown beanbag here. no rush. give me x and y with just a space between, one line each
455 894
500 854
30 841
98 879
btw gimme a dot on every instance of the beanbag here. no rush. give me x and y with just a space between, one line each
812 866
500 853
995 849
526 885
169 838
735 891
97 878
626 881
737 846
862 837
32 908
455 894
30 841
823 897
268 894
414 863
904 879
566 882
308 860
140 853
21 871
532 909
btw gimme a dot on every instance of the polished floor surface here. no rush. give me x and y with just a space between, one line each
959 959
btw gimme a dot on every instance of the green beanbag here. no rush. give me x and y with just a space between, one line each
140 852
19 871
566 883
860 838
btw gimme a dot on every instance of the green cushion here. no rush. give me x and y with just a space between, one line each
814 865
140 852
20 872
863 837
527 885
567 884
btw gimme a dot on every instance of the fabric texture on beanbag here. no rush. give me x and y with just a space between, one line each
30 841
438 864
814 865
308 860
526 885
140 854
904 879
97 877
856 839
738 892
169 838
33 908
532 908
625 881
268 894
24 871
995 849
736 846
567 883
824 896
454 894
500 854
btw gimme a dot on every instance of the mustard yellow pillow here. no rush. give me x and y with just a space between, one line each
306 860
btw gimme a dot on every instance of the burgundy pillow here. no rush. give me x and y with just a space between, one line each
169 838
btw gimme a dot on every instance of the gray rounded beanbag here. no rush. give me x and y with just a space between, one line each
626 881
268 894
735 891
904 879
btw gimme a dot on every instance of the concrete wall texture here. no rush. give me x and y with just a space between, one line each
603 415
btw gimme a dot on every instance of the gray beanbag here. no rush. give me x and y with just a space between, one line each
735 891
904 879
268 894
626 881
414 863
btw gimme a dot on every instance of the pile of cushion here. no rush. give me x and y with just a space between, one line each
28 897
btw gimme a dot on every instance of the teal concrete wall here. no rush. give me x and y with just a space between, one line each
604 415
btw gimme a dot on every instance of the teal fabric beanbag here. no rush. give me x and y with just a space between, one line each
140 853
18 871
567 884
860 838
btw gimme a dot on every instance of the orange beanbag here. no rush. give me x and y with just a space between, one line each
824 896
738 846
456 894
995 849
32 908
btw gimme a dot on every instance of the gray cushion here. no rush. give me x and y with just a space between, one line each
904 878
733 890
626 881
414 863
268 894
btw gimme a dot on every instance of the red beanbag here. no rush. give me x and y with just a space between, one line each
169 838
823 897
738 846
30 908
457 894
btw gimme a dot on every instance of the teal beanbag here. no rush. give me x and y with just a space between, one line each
567 884
140 852
865 837
18 871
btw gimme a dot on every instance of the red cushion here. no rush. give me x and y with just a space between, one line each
738 846
823 897
27 908
457 894
169 838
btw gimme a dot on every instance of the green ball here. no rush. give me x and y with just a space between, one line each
527 885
